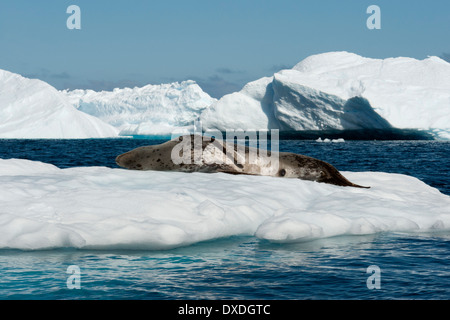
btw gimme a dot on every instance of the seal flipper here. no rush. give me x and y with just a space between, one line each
342 182
236 172
336 178
232 170
358 186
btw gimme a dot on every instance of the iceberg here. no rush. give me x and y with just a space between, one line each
279 102
149 110
31 108
407 92
342 91
325 92
45 207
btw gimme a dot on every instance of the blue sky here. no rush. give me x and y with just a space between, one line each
220 44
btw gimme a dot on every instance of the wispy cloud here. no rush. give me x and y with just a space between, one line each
278 67
222 82
45 74
62 75
109 85
446 56
216 86
229 71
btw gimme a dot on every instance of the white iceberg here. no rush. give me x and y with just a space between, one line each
330 91
44 207
407 92
30 108
341 90
149 110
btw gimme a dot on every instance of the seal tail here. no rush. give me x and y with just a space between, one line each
340 180
343 182
358 186
336 178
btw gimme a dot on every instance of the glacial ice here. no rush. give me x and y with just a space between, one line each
329 91
341 90
30 108
149 110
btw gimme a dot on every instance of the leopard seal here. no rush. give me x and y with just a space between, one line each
194 153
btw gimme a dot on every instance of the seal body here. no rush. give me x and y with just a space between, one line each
194 153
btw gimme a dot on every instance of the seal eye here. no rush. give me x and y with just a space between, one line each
282 173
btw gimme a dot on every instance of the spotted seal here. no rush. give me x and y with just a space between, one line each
193 153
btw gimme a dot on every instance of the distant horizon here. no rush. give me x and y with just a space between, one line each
220 46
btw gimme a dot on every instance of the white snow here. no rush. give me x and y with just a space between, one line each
149 110
250 108
281 102
45 207
341 90
335 90
30 108
408 93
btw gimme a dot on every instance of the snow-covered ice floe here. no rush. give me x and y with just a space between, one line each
45 207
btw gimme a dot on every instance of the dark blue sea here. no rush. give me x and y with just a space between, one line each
411 266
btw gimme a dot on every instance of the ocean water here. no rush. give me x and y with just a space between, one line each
410 266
